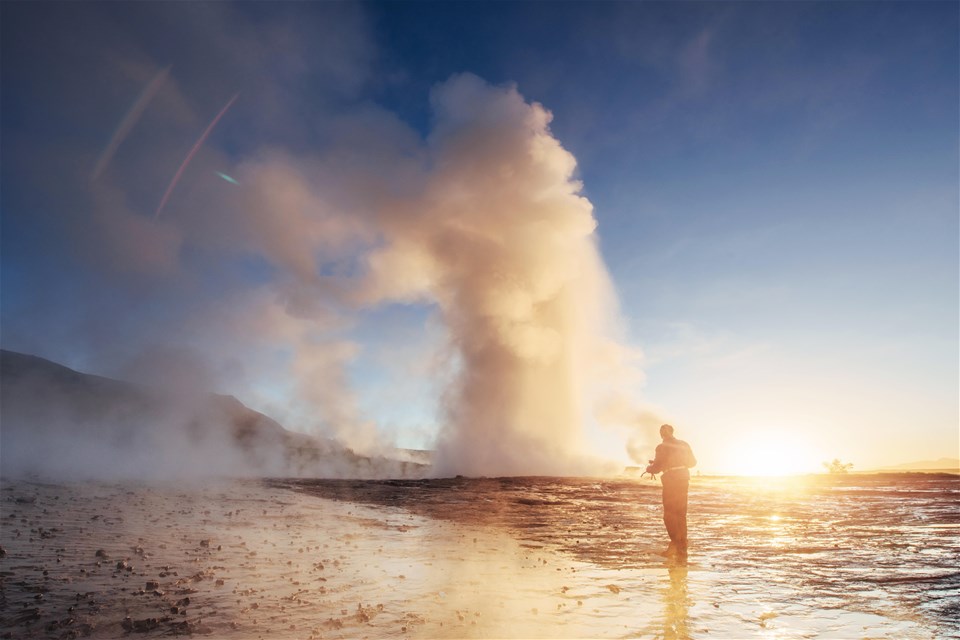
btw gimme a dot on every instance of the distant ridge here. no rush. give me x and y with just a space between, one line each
55 421
947 465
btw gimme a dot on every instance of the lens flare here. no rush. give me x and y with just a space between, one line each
193 152
227 178
129 120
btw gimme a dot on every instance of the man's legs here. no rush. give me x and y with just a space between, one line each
675 510
680 513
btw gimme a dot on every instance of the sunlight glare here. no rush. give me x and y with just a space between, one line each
771 453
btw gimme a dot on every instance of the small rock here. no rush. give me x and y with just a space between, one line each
184 628
140 626
101 553
151 585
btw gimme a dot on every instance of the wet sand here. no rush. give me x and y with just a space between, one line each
252 559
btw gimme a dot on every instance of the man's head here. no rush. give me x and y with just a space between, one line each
666 431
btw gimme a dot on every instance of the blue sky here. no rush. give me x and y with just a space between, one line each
775 186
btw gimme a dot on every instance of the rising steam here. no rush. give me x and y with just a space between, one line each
504 243
487 222
482 219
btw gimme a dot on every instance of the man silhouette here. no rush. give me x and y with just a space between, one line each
674 458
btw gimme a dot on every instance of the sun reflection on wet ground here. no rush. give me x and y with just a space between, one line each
884 545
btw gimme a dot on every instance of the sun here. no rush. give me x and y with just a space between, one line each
771 453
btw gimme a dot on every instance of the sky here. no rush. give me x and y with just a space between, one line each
508 231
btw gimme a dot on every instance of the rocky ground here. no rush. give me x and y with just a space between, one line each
245 560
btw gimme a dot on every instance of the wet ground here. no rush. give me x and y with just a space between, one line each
854 557
816 554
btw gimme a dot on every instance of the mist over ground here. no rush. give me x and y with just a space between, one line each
63 425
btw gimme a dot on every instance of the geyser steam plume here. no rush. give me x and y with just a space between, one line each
502 240
485 220
482 219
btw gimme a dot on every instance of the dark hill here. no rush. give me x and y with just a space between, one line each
58 422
